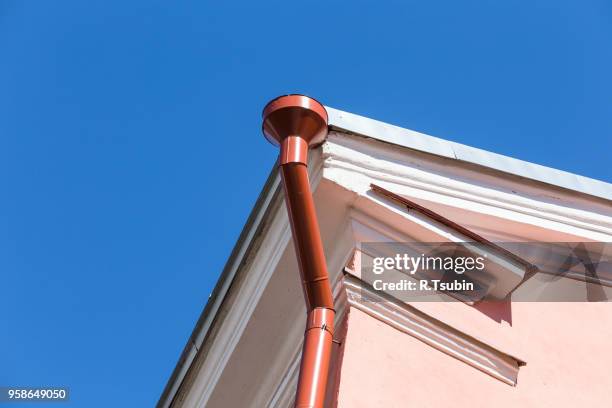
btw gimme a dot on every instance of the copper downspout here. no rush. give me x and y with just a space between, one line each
297 122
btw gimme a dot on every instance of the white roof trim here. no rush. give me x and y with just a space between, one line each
385 132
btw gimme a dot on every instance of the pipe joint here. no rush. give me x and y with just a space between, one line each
293 149
321 318
296 122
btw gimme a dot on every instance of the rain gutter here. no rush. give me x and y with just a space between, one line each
295 123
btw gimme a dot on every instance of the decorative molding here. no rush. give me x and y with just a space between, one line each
381 163
352 292
483 160
432 332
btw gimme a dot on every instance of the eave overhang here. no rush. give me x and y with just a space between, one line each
346 123
384 132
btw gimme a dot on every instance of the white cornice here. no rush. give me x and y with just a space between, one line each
384 132
355 165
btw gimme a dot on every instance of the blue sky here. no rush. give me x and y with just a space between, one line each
120 202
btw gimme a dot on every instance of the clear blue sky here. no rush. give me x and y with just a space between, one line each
119 203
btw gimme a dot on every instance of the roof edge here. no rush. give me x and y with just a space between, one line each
241 249
371 128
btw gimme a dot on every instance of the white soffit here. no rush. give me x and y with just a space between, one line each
385 132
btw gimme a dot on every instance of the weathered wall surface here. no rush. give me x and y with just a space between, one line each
565 345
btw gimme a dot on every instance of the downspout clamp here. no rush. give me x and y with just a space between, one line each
295 123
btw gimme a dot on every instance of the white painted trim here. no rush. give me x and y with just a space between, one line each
503 274
360 125
191 349
238 317
357 169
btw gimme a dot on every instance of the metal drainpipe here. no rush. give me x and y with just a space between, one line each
297 122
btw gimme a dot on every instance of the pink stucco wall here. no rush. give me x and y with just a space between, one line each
566 347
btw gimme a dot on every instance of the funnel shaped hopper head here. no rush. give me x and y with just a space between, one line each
295 115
